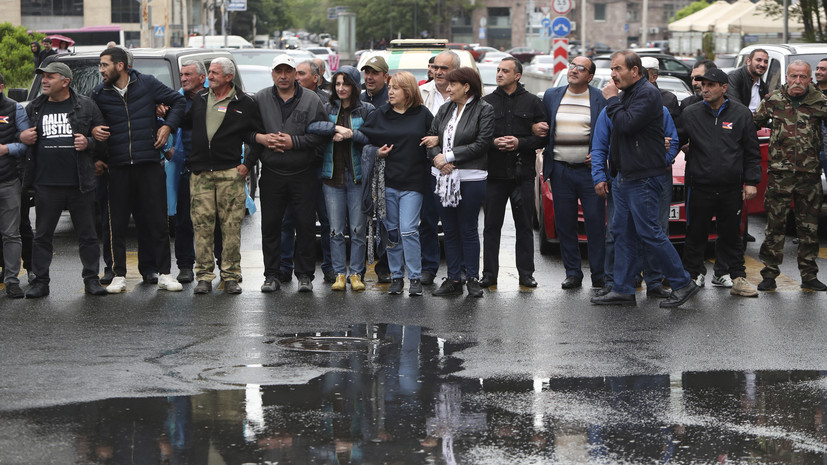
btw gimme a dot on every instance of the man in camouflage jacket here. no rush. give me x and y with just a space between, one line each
793 169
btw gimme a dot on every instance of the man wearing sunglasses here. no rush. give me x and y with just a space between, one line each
572 112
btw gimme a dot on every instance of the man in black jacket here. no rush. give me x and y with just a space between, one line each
723 168
61 168
222 120
511 171
745 85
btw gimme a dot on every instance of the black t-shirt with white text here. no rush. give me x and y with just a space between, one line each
56 157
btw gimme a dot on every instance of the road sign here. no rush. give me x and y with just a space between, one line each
237 5
159 32
561 7
561 26
560 51
482 33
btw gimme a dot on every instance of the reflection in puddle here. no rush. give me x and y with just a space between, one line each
397 401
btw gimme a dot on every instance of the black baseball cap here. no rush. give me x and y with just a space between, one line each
714 75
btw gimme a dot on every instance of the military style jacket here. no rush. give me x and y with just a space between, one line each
795 140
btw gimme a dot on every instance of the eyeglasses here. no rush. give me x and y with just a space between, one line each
574 66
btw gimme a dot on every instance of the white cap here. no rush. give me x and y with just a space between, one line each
649 62
284 59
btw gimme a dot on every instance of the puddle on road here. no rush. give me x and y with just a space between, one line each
397 400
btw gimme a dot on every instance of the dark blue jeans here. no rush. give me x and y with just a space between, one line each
636 224
461 227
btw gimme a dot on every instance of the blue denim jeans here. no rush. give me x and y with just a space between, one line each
461 227
402 224
652 272
344 207
635 225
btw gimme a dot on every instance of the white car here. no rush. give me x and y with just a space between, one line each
541 64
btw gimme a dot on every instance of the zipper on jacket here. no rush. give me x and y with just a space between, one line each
128 127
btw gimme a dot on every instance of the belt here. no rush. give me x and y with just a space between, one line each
574 166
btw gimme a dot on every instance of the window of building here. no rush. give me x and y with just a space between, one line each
126 11
633 12
499 17
52 8
600 12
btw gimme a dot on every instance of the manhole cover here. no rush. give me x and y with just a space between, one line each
329 343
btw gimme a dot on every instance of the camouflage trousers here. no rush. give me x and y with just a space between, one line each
221 194
800 192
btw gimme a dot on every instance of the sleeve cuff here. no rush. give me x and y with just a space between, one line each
449 156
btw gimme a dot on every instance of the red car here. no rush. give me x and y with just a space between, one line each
525 54
467 47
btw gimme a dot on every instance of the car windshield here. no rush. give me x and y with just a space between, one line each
488 74
255 77
85 73
265 58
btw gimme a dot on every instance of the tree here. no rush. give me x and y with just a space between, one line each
693 7
809 12
16 61
271 15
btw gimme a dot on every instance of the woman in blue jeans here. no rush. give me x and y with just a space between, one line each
397 128
458 149
341 175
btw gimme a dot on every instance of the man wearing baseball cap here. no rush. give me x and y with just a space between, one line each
723 168
288 170
376 81
61 168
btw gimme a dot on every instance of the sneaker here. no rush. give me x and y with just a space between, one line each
305 284
108 276
740 286
13 291
474 289
117 286
449 288
415 287
722 281
37 290
339 285
767 284
699 281
186 276
167 282
271 284
93 287
356 283
203 287
396 286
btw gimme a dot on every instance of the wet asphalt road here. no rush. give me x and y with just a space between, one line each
519 376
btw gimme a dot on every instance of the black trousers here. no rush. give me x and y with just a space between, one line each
498 193
299 191
139 190
49 204
725 205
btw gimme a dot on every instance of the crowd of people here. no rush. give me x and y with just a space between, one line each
385 165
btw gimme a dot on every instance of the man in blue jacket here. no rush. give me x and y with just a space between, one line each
128 100
572 112
636 156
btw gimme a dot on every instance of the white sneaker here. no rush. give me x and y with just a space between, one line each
722 281
166 281
699 280
117 285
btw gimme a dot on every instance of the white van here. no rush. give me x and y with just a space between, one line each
218 42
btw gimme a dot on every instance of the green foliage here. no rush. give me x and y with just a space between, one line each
16 59
693 7
810 13
271 16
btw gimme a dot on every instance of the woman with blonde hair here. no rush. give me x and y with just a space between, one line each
397 129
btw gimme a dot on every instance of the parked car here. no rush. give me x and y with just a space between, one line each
467 47
255 77
668 65
600 48
494 57
488 75
412 55
482 50
674 85
525 54
542 64
264 57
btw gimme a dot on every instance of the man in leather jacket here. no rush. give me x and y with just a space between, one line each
745 84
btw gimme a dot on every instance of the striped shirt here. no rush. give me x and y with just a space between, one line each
572 128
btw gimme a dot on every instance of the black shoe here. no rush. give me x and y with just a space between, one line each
572 282
448 288
528 281
427 278
396 286
94 287
203 287
384 278
13 291
415 287
271 284
659 292
305 284
37 290
284 276
679 296
232 287
473 286
488 280
599 283
749 238
185 276
151 278
814 285
767 284
607 288
329 276
108 276
613 298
